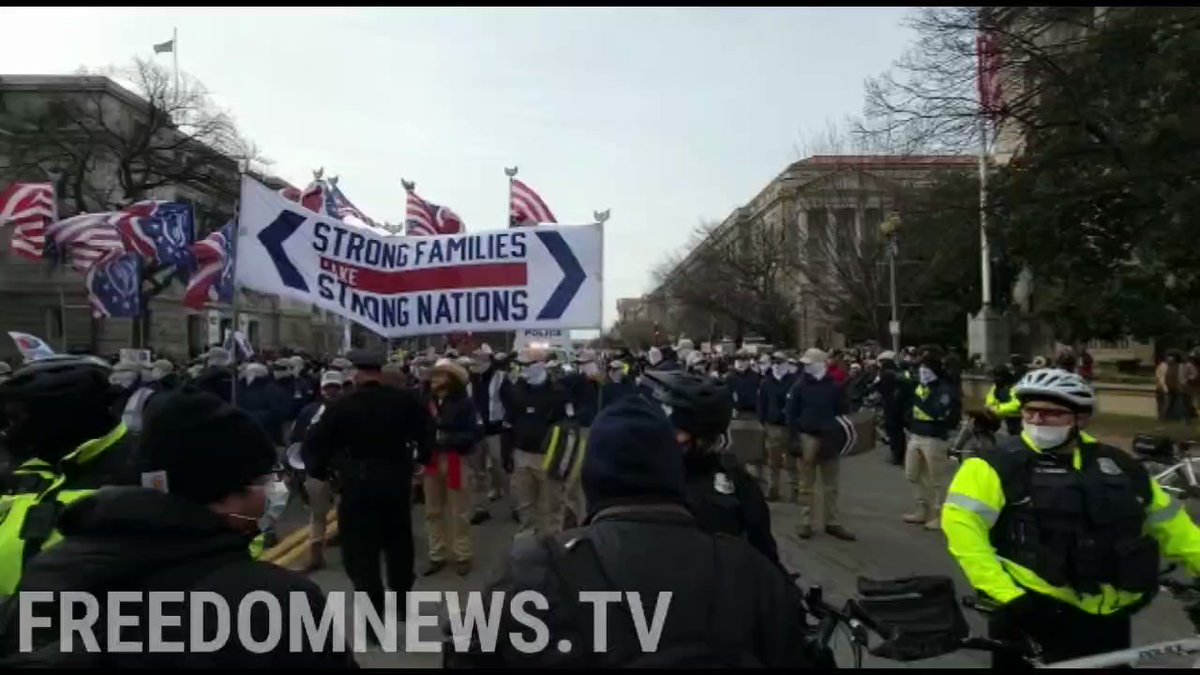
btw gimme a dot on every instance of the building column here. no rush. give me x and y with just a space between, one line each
859 223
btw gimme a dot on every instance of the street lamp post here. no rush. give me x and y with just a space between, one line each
888 228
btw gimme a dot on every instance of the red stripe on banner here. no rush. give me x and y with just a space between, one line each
487 275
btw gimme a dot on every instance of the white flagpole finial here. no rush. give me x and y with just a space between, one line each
408 184
318 173
601 216
333 181
510 172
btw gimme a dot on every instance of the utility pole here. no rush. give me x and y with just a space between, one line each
889 228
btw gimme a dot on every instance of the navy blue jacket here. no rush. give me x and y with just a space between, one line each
772 399
481 391
942 403
267 403
813 404
744 388
583 394
612 392
458 424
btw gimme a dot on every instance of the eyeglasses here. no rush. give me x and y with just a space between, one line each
1045 414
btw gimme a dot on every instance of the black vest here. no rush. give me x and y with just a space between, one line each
713 493
1075 528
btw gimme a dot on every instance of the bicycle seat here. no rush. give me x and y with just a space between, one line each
1148 447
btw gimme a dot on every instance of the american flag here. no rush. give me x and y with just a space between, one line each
313 197
213 279
114 285
29 207
420 217
338 206
988 64
448 221
290 193
526 207
159 231
83 239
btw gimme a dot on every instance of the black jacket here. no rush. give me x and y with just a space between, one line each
772 399
583 393
375 423
724 498
216 380
137 539
531 411
744 387
719 585
612 392
481 392
458 425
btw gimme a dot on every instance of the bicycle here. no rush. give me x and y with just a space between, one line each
900 643
1030 652
1171 464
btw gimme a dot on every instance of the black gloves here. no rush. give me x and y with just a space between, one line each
1015 611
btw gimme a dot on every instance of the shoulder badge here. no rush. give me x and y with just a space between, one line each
1108 467
722 484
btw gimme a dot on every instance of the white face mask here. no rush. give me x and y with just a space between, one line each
654 358
277 499
740 366
1046 437
791 367
616 375
816 370
590 369
123 379
779 370
926 375
534 373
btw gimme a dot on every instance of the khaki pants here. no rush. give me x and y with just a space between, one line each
320 500
810 447
487 470
925 466
538 498
574 505
444 506
778 455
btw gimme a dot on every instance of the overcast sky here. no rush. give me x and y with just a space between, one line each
666 116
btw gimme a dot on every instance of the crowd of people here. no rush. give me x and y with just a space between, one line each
622 471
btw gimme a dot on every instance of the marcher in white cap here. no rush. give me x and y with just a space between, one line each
319 492
490 387
814 404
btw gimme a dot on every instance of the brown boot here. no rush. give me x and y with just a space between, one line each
316 557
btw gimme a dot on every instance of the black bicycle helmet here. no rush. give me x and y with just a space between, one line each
697 404
65 376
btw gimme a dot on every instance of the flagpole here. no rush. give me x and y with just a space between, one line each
235 303
55 177
985 259
511 173
175 56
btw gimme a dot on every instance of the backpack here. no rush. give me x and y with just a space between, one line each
574 558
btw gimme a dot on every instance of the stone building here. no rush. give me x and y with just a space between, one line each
839 199
52 303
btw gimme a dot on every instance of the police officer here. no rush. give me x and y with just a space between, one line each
1063 531
367 439
729 605
68 442
1001 402
721 495
935 414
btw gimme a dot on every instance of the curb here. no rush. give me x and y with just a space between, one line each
298 539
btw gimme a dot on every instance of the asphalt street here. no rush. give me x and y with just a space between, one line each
873 495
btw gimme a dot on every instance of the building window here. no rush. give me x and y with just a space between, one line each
226 329
847 230
197 331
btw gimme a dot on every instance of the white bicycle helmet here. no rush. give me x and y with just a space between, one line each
1058 386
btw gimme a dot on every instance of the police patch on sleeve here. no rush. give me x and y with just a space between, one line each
722 484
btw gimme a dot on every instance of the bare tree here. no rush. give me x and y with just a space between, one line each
738 276
115 146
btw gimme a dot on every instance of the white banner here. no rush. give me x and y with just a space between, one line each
527 277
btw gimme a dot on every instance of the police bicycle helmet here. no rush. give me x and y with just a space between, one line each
66 376
1057 386
697 404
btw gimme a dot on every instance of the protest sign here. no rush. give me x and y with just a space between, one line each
517 278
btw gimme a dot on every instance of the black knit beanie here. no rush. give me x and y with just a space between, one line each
208 449
632 453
